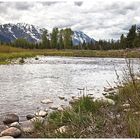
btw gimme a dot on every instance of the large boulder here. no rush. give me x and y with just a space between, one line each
10 118
27 126
12 131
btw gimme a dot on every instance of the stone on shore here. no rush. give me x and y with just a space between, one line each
54 107
28 117
10 118
12 131
27 126
15 124
106 100
46 101
41 113
60 108
61 97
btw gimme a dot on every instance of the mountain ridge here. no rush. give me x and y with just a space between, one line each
10 32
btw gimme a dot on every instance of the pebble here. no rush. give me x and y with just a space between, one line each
54 107
46 101
61 97
28 117
62 129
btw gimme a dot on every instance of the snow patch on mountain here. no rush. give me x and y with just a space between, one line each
79 38
10 32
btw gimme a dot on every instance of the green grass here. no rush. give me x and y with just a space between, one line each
9 53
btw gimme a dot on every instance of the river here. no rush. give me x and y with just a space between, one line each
22 87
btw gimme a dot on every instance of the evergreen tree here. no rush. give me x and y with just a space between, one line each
45 40
122 42
131 36
54 38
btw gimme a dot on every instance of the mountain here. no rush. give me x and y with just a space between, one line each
80 37
10 32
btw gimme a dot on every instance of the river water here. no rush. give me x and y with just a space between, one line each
22 87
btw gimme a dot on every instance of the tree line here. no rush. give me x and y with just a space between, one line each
62 39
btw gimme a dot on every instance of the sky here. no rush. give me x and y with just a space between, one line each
100 19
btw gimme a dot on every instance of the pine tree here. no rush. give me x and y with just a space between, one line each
54 38
45 40
131 36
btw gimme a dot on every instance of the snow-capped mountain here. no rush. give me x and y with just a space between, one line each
80 37
10 32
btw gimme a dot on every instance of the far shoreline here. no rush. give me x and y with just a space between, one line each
9 53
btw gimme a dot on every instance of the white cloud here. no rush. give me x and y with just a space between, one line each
101 19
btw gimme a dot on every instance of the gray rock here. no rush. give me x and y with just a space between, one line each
28 117
15 124
10 118
12 131
27 126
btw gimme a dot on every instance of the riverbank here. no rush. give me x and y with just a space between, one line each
8 53
116 117
89 118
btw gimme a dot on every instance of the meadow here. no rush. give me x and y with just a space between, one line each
8 53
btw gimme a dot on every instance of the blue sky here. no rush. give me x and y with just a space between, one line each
100 19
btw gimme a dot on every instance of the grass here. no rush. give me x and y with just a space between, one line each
88 118
84 119
8 53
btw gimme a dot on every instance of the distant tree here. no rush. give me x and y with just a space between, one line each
131 36
22 43
54 38
67 35
45 40
61 43
122 42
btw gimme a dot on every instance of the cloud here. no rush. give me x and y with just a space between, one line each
100 19
78 3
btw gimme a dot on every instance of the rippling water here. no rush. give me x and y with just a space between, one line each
22 87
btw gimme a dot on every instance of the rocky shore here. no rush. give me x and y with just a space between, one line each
12 127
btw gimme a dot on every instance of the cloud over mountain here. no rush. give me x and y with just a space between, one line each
98 18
